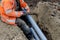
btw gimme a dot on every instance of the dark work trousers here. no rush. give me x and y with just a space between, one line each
21 24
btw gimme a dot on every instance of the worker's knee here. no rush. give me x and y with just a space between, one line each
20 22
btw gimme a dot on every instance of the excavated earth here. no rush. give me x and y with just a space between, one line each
48 19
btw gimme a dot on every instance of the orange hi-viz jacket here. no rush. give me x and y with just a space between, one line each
8 13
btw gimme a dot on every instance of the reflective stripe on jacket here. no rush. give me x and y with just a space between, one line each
8 13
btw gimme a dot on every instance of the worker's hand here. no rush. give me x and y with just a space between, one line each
24 11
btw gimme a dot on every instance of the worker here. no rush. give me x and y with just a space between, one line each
10 16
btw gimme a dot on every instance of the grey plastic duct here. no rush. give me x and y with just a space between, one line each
37 29
34 34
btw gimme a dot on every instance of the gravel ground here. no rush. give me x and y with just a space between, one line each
9 32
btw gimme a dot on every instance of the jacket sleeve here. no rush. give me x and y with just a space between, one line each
8 7
24 5
14 13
